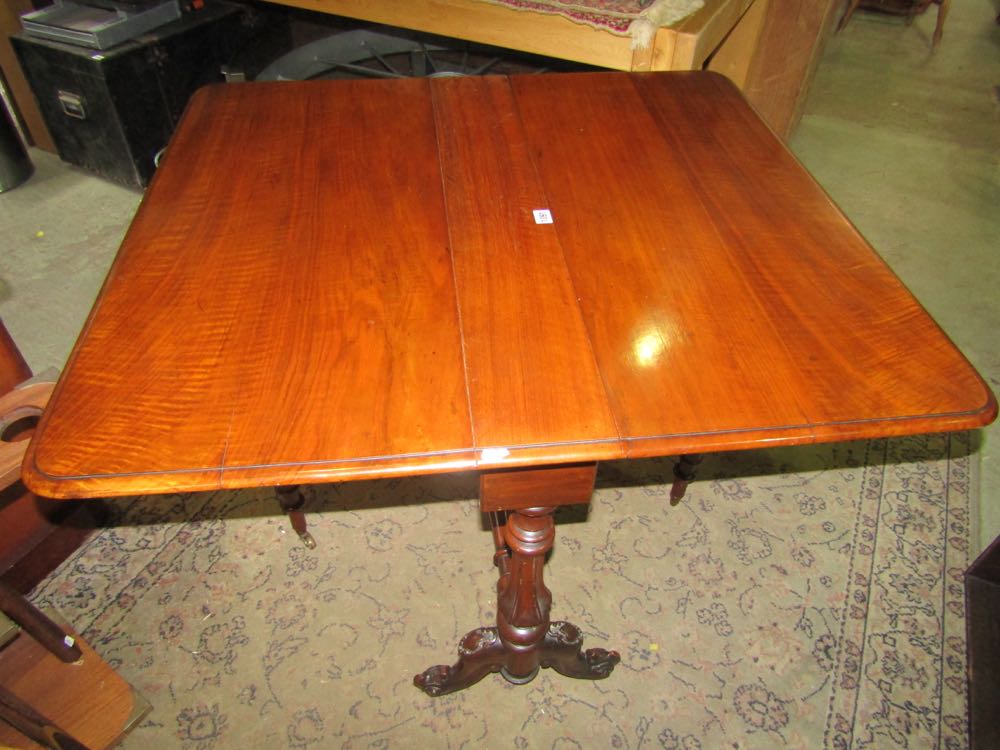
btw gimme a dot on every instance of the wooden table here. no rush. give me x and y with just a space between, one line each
333 281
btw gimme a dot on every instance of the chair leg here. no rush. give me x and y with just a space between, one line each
36 624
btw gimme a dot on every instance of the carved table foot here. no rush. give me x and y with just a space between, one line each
482 652
525 639
562 650
479 653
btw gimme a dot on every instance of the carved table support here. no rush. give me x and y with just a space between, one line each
523 601
525 639
291 500
684 472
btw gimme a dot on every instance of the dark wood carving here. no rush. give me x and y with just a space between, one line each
524 640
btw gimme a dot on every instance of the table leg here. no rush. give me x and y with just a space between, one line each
291 500
684 472
525 639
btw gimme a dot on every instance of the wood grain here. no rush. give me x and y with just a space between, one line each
684 46
526 488
369 294
660 303
284 295
785 58
698 36
735 58
531 371
18 407
87 699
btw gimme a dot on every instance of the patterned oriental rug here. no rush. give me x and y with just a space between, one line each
636 18
804 598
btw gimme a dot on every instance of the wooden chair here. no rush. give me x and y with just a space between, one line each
35 682
23 615
909 8
19 408
36 534
55 691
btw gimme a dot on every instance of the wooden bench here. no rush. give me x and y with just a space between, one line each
769 48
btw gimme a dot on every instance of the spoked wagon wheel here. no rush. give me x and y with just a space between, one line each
395 53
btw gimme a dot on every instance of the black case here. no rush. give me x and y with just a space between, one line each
982 618
111 111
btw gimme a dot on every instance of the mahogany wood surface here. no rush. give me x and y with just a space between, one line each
338 280
502 490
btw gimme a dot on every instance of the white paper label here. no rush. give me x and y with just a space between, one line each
542 216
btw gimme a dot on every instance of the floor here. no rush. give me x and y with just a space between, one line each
906 141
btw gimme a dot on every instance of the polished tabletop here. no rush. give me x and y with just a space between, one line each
339 280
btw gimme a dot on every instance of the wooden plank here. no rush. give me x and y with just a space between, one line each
724 334
684 46
533 381
486 23
149 392
735 55
864 349
353 328
637 255
531 488
785 60
87 698
293 308
700 34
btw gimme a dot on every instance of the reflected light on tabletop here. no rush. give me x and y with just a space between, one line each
649 345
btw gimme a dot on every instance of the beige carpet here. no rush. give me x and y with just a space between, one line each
802 598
